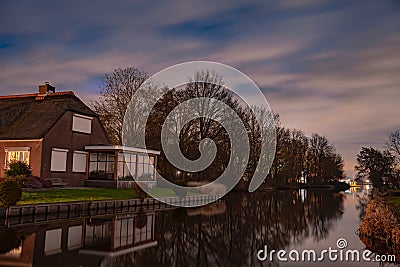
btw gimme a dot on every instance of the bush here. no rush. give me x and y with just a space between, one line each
36 183
20 179
17 168
43 182
181 192
139 191
10 193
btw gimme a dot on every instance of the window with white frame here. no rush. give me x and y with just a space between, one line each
145 167
52 243
75 237
17 154
79 161
59 160
82 124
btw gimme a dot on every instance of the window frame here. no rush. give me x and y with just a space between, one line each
54 236
75 232
105 167
76 128
73 161
52 168
22 149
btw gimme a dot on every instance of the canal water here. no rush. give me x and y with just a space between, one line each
238 231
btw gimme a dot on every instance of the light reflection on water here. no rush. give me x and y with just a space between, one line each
221 234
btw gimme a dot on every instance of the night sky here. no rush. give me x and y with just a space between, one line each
331 67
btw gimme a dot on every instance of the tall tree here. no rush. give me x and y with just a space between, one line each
320 149
376 165
116 91
204 84
393 144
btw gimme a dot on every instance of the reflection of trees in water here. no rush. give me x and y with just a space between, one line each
362 202
9 239
12 238
276 219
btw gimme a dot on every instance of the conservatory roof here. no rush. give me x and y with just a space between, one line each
121 148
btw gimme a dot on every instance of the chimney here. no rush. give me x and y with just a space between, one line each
46 89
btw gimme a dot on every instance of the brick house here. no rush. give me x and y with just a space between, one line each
49 130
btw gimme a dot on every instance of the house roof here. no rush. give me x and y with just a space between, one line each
31 116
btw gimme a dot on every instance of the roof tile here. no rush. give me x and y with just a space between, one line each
24 117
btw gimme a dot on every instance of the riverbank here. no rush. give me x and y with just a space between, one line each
74 194
380 226
339 186
41 213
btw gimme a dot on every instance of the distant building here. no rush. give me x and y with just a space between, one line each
60 137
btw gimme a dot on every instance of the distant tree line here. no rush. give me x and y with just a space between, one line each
381 167
297 156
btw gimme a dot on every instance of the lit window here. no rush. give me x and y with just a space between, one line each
79 161
82 124
17 154
59 160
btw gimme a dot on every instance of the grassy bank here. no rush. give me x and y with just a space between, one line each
86 194
69 195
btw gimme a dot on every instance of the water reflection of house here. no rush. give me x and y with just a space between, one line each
84 242
119 236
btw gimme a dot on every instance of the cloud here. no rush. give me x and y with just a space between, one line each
327 67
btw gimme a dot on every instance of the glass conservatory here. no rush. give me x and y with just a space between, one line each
121 165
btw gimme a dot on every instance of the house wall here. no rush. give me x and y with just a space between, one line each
35 156
61 136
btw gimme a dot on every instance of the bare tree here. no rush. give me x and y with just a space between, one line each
393 144
320 148
205 84
116 92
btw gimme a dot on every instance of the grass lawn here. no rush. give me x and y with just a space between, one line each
162 192
81 194
85 194
168 192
